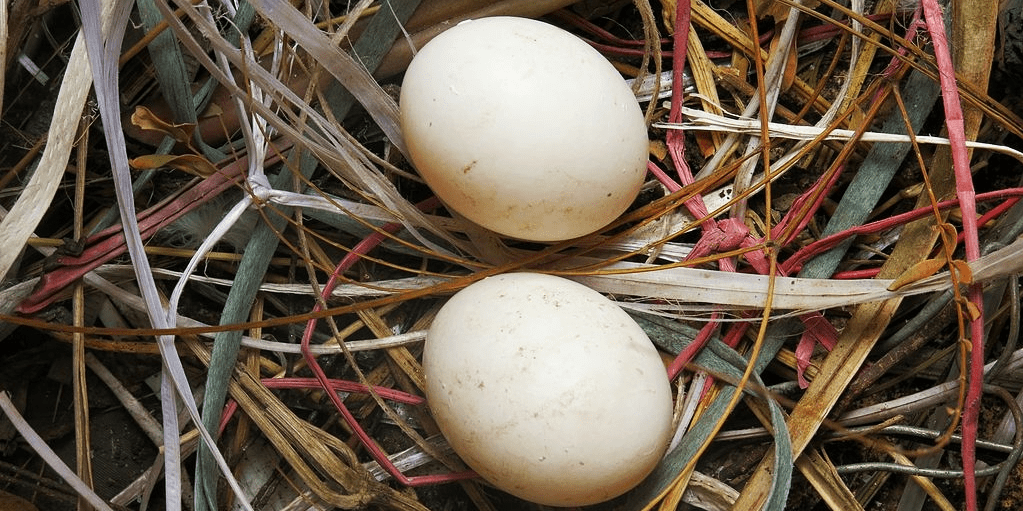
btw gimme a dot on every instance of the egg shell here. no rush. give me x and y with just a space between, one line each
523 128
547 389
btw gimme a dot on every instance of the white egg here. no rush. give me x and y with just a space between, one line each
523 128
547 389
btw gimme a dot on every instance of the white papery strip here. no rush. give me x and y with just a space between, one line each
103 30
699 120
25 215
688 285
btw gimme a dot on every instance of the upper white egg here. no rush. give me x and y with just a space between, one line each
523 128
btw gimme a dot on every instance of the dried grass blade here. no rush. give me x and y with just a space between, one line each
862 57
83 440
406 362
821 473
703 76
349 72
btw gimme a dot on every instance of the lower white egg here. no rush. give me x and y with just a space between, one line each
547 389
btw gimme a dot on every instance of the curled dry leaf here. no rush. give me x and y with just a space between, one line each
145 119
924 268
190 163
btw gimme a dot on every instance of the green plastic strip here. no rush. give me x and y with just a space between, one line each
716 356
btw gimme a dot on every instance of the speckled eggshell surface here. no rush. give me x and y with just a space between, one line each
523 128
547 389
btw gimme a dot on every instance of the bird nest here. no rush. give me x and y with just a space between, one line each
219 265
